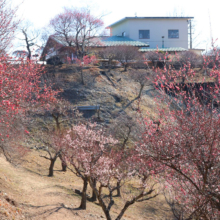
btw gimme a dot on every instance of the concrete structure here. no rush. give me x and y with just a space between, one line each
197 51
163 32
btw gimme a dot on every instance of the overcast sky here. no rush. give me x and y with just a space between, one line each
39 12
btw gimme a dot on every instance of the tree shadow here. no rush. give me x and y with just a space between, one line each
48 212
35 172
129 104
61 171
136 98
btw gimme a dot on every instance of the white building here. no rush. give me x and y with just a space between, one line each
161 32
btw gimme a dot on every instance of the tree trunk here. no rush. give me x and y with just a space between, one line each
109 65
101 202
127 204
82 79
56 118
83 199
125 67
27 44
52 162
139 95
64 166
63 163
118 188
105 210
94 198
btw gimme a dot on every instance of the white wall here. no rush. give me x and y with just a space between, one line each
118 29
158 28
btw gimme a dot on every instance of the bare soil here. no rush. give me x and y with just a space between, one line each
36 196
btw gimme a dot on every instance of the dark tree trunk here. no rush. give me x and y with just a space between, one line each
63 163
83 199
118 188
109 65
27 44
101 202
56 118
64 166
125 67
94 198
52 162
127 204
139 95
82 78
107 214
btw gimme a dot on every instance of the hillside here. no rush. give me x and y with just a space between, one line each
26 190
114 91
33 195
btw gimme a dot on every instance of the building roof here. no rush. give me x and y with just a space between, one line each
128 18
121 40
107 41
59 40
168 49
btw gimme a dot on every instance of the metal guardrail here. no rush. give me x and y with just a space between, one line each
24 61
88 108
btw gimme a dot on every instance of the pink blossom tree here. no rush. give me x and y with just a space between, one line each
109 53
187 139
127 54
51 148
50 133
85 61
97 162
85 147
126 168
9 24
77 27
21 93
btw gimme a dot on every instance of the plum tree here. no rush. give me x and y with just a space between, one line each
77 27
187 140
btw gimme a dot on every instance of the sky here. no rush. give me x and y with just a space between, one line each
206 13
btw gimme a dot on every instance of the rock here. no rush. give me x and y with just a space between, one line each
78 192
11 201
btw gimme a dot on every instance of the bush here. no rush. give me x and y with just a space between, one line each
190 57
156 58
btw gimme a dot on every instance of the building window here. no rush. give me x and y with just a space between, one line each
144 34
173 33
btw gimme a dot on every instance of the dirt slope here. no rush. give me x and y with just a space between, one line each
114 91
42 197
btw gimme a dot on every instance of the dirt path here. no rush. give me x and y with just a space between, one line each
53 198
40 196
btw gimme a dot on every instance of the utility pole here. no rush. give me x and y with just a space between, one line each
210 26
190 30
190 33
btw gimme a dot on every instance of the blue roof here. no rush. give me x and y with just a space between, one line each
166 49
121 40
106 41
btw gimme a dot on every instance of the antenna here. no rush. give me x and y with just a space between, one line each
210 26
190 25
